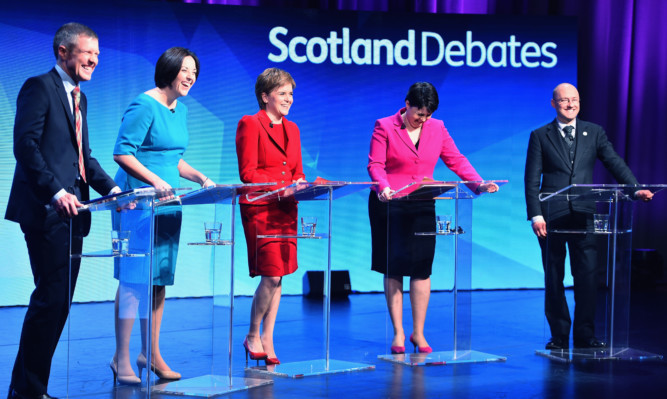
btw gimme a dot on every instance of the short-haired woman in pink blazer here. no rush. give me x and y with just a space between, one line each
405 148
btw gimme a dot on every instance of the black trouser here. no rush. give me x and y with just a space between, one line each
583 266
48 249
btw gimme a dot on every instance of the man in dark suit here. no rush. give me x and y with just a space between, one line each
54 170
562 153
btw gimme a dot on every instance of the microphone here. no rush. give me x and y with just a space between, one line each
271 125
173 110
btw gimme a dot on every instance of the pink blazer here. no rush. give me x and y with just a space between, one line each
394 162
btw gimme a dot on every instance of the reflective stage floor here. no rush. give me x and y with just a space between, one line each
505 323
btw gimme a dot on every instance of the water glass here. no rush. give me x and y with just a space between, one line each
308 224
601 223
212 231
444 224
120 241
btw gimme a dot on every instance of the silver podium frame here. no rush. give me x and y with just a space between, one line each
616 200
462 195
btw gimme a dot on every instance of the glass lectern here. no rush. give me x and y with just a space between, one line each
136 215
129 245
454 240
220 379
326 191
609 207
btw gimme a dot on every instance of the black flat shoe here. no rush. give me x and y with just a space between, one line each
593 343
557 344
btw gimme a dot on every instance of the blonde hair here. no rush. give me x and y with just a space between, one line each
269 80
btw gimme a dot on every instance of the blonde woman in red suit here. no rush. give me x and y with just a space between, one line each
268 147
405 148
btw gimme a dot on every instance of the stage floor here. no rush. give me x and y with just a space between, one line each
505 323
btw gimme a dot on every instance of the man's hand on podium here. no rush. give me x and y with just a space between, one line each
644 195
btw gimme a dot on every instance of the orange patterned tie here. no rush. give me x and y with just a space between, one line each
76 94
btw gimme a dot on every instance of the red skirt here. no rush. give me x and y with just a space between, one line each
271 257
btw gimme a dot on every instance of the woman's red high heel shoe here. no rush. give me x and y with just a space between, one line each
253 355
397 350
271 360
422 349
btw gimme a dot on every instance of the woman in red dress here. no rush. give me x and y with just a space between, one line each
268 147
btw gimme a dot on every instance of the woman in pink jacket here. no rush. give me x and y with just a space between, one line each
405 148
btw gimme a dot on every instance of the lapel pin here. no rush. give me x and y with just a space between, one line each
585 133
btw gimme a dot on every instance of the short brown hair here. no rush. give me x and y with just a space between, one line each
269 80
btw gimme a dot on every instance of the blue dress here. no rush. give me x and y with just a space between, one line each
157 137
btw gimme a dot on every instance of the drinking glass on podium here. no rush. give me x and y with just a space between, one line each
212 231
308 224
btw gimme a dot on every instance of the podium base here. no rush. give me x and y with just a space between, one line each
583 355
311 367
441 358
208 386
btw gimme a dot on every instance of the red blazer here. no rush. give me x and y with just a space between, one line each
261 159
394 162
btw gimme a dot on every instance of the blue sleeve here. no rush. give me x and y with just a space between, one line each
134 128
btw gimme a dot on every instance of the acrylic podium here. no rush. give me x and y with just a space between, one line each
130 209
613 230
221 379
136 212
320 190
458 234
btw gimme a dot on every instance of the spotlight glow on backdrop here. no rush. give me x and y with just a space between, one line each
494 76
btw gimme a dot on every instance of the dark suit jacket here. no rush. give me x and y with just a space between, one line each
548 168
261 158
46 153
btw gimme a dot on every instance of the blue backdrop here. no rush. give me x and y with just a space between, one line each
494 76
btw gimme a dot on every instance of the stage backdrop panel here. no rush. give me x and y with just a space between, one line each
494 76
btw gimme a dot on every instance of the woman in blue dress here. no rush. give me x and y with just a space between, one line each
152 139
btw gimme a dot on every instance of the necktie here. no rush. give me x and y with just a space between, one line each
568 135
76 94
